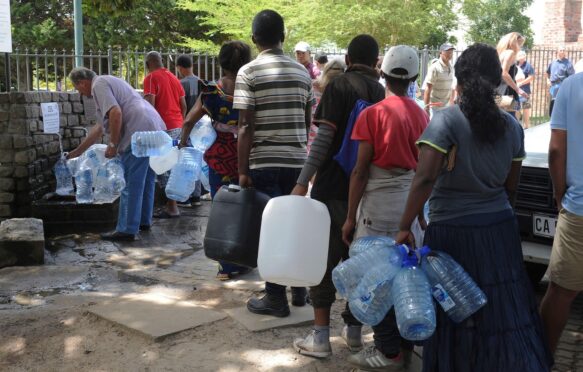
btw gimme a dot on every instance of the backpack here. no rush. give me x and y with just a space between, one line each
348 153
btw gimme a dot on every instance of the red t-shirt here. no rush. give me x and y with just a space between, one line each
168 90
392 127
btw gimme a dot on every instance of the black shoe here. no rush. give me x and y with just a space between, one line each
145 227
299 296
117 236
269 305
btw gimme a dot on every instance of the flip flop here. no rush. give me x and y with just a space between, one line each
163 214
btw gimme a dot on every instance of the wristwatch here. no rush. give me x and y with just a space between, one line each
112 145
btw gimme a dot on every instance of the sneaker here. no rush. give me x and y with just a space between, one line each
195 202
269 305
308 346
354 344
371 359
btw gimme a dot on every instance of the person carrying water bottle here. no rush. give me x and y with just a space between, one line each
274 96
469 166
120 111
216 101
379 184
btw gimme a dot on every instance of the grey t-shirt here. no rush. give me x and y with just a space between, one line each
137 114
476 183
190 85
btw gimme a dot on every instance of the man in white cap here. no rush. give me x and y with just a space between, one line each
302 50
440 80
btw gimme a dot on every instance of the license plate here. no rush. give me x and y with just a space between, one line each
543 225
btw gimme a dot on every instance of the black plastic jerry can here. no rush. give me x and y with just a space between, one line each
234 223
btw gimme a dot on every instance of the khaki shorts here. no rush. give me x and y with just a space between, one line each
566 266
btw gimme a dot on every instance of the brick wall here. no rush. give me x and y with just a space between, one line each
562 25
27 155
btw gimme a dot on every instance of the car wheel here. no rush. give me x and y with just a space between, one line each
535 272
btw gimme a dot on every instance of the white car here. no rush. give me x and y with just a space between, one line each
535 207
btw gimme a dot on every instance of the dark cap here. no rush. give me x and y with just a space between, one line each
446 47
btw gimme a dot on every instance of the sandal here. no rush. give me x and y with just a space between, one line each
223 276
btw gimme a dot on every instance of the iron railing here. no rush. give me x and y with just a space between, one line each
47 70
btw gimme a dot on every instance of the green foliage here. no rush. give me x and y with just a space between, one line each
331 22
42 24
492 19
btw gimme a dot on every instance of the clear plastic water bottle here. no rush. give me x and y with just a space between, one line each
94 157
414 308
204 176
366 242
163 163
152 143
64 178
84 182
203 134
103 192
74 164
116 176
451 286
349 274
184 175
374 301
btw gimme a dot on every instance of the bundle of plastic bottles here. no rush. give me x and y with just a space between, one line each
381 274
186 165
97 179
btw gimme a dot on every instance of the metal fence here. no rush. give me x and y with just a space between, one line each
28 69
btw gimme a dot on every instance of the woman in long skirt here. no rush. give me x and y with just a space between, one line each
468 168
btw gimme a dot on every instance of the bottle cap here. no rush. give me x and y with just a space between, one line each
175 142
410 260
424 251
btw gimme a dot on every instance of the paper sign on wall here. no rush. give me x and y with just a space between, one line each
5 29
51 119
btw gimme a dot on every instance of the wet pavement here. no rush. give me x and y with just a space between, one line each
170 255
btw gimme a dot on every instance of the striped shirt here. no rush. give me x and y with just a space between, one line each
278 89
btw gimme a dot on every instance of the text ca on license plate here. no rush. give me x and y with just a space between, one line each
543 225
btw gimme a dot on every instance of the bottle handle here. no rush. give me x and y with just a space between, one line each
234 188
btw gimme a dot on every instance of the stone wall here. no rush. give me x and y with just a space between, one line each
27 155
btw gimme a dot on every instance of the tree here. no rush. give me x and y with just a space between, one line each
330 22
492 19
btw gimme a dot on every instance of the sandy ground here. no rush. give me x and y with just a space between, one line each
45 324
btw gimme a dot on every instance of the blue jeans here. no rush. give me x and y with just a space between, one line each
137 198
275 182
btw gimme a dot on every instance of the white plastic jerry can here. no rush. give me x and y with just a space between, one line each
293 244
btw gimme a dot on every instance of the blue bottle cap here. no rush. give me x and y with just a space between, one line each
403 249
410 260
175 142
424 251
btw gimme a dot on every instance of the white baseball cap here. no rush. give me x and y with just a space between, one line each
302 46
403 57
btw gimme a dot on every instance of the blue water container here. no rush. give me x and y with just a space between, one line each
151 143
184 175
451 286
349 274
414 308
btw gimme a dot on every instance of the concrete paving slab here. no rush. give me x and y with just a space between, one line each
35 278
299 316
155 315
250 281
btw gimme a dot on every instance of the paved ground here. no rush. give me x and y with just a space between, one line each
46 322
